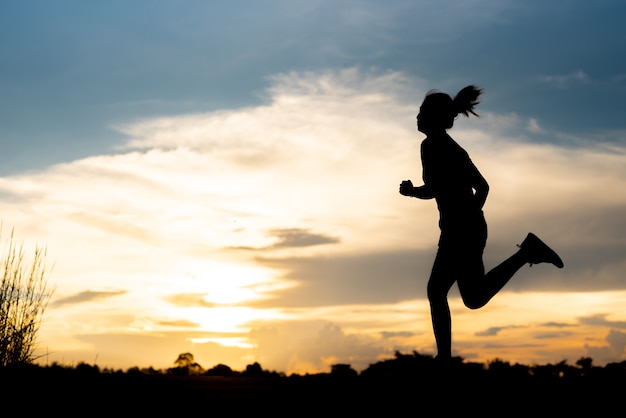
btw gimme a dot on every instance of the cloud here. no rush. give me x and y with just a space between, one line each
533 126
87 296
303 346
612 351
565 80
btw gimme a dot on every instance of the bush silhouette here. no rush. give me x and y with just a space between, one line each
220 370
23 300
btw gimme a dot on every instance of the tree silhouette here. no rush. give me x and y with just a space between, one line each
343 371
254 370
185 366
585 363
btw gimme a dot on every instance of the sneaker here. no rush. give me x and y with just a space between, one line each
538 252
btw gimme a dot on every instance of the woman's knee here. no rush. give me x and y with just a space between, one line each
436 294
473 301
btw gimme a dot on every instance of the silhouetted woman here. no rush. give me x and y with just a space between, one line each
460 191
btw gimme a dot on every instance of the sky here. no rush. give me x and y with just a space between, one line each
221 177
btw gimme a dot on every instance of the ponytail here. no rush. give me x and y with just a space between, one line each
439 110
466 99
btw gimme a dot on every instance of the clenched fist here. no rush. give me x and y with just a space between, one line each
406 188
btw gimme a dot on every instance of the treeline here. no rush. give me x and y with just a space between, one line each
401 366
412 365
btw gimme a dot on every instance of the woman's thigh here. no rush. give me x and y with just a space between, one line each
461 264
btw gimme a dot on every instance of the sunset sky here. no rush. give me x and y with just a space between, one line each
221 177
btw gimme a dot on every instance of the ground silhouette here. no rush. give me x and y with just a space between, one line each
407 382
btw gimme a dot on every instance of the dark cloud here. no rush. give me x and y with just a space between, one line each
592 249
600 320
492 331
616 340
505 346
614 349
403 334
552 335
293 238
384 277
87 296
591 264
557 324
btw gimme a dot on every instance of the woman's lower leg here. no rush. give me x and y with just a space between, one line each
442 327
478 289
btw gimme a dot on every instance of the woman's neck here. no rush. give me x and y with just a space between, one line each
438 133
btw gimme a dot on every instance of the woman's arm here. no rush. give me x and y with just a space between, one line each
426 191
421 192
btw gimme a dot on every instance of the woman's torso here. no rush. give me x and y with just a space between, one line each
448 169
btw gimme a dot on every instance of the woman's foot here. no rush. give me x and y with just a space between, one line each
538 252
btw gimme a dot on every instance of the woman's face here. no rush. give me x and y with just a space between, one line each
420 123
423 120
431 117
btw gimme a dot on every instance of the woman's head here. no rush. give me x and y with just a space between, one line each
438 110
